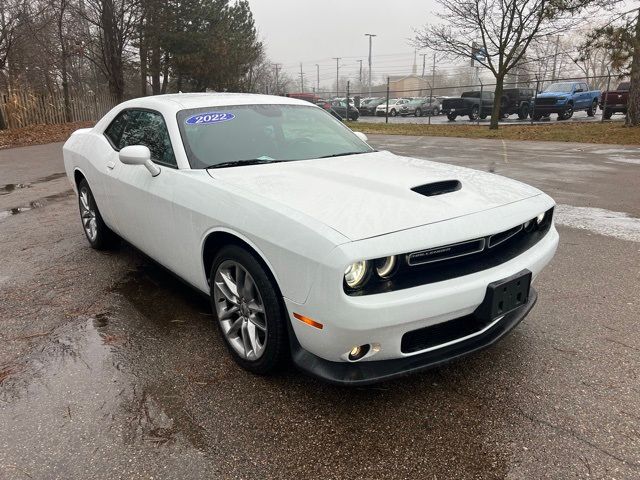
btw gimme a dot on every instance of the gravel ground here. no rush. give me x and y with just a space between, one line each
111 368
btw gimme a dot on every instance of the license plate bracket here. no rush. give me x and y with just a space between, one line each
504 296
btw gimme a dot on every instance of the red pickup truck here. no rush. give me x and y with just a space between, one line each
615 101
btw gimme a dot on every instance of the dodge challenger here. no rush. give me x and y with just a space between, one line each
356 264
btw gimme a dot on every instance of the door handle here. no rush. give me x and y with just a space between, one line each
111 165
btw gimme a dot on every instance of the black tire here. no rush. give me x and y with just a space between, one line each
523 111
452 117
435 112
418 112
593 108
276 347
474 113
104 238
536 116
567 114
483 116
606 114
393 112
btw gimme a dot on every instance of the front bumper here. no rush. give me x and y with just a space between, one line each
557 108
364 373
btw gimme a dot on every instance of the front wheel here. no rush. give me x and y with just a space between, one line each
474 113
593 109
436 112
248 310
523 111
606 114
393 112
567 114
98 234
452 117
418 112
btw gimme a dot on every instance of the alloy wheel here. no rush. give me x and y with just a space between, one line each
88 214
240 310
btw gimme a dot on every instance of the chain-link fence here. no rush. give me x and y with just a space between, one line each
532 100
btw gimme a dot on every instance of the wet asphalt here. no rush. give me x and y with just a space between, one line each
112 368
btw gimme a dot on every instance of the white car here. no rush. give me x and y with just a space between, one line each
395 104
359 264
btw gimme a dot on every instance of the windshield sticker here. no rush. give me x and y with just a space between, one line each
209 118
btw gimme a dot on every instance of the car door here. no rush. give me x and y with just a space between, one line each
143 204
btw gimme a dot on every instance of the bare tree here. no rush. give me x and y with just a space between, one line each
496 33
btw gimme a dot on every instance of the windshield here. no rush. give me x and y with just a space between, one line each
560 87
624 86
471 95
239 133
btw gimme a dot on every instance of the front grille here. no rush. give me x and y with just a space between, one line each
441 333
456 260
546 101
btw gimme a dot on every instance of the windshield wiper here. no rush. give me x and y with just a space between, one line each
240 163
342 154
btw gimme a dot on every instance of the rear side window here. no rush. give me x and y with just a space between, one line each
114 131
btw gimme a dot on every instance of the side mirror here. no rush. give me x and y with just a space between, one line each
139 155
361 136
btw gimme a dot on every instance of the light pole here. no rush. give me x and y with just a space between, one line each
370 35
337 59
318 78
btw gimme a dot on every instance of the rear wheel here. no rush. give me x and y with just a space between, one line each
418 112
593 108
98 234
452 117
393 112
248 310
606 114
436 111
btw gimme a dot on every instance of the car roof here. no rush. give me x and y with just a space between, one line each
181 101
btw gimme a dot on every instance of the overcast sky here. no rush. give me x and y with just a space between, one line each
297 31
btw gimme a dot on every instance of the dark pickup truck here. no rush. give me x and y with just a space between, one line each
615 101
468 104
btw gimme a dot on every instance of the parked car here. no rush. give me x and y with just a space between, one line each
394 106
357 264
370 105
340 107
565 98
517 101
615 101
421 106
469 103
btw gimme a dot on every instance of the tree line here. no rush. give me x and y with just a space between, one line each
131 47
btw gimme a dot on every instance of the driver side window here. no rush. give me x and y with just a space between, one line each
148 128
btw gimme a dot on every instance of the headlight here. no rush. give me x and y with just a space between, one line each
356 274
386 267
540 218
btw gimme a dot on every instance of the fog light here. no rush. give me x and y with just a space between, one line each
357 353
540 218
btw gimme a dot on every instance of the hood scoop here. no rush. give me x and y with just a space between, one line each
438 188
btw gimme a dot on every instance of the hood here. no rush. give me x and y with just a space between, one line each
371 194
554 94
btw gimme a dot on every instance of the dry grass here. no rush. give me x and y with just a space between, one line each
596 132
38 134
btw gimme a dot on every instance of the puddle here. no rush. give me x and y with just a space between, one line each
619 158
598 220
12 187
39 203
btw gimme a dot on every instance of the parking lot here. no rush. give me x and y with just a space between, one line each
511 120
112 368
